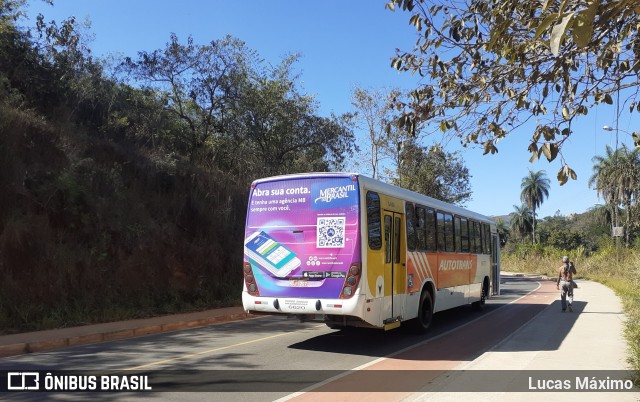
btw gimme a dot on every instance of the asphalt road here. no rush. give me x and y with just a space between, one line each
272 357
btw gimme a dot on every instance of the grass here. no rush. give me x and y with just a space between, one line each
616 268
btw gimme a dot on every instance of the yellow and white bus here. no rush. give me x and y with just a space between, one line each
359 252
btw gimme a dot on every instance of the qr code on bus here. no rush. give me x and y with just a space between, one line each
330 232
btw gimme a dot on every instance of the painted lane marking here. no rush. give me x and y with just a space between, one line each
190 355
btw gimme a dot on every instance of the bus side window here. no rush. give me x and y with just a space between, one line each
487 238
420 229
373 221
431 230
478 238
472 237
440 231
411 227
464 234
448 232
457 234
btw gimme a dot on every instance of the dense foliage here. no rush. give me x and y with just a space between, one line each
433 172
588 232
124 190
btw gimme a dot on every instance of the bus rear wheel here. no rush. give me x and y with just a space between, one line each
483 297
425 313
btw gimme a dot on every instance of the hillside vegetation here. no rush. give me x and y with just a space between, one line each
124 187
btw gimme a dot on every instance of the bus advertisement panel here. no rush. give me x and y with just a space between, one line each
302 235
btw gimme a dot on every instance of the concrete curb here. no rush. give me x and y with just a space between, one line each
105 336
504 275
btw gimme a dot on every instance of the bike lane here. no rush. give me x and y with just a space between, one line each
396 377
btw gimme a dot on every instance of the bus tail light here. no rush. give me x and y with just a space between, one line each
352 280
249 280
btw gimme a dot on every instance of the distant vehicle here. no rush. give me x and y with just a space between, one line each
354 251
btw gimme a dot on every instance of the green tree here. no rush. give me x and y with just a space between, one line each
47 67
616 178
602 181
491 66
602 214
521 220
503 231
535 188
557 231
10 11
627 181
198 83
275 129
433 172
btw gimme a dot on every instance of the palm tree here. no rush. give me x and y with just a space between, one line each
521 220
616 178
603 169
628 182
535 188
503 231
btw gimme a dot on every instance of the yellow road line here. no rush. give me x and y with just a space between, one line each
210 351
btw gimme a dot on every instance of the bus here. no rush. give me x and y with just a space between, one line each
357 252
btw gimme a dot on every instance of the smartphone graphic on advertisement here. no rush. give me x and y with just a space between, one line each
270 254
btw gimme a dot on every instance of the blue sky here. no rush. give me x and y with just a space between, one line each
342 44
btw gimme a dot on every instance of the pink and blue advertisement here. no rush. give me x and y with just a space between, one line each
302 235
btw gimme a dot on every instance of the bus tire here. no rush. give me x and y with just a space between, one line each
483 296
425 313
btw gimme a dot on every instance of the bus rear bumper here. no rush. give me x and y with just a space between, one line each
300 306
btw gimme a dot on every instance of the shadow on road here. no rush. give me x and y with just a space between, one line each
458 334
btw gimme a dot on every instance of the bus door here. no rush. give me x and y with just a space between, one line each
495 264
395 272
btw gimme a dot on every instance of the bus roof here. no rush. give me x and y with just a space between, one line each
389 189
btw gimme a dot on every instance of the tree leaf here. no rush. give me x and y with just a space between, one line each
562 6
534 156
489 147
583 24
550 150
565 113
562 176
557 34
546 22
